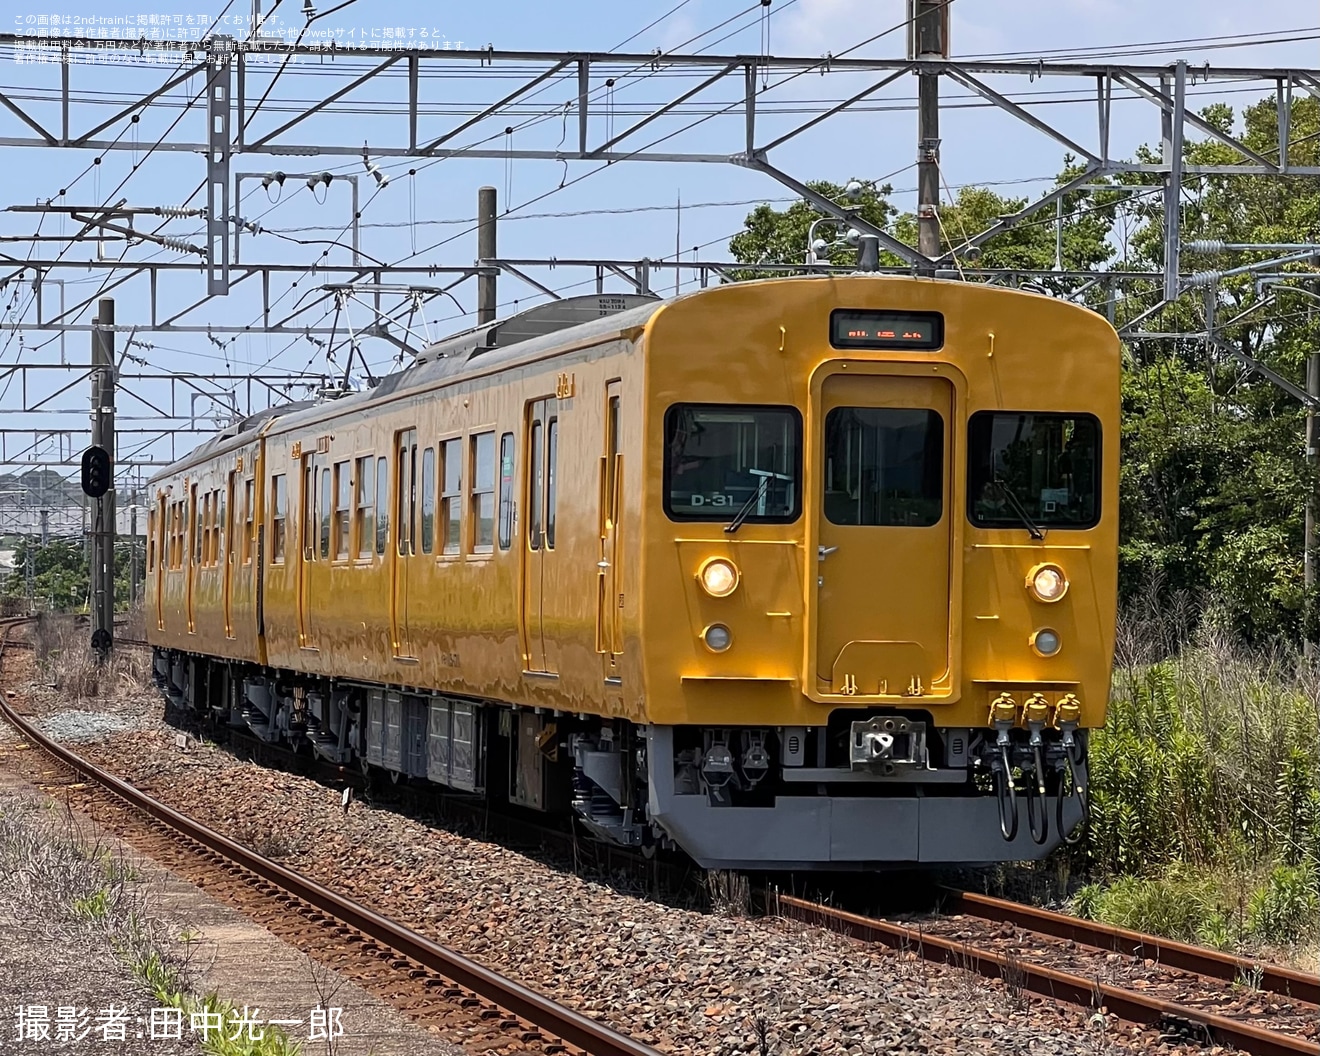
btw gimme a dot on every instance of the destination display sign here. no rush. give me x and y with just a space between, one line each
878 328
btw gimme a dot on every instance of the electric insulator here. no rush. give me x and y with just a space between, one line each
1206 245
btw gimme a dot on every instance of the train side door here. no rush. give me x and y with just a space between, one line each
884 529
542 434
609 586
307 531
405 541
227 540
194 556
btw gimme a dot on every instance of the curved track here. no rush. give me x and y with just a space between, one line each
511 1009
1026 970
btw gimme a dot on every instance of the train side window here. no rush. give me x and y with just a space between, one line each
343 503
151 541
365 514
221 521
428 500
207 519
551 456
536 483
382 504
326 498
309 509
279 512
611 459
506 491
406 501
451 495
249 518
483 493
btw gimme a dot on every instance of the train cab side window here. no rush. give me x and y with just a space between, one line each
451 495
221 520
279 512
1044 465
536 485
364 515
382 504
343 503
506 491
551 456
151 541
428 500
483 493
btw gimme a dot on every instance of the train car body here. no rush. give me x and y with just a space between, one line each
799 573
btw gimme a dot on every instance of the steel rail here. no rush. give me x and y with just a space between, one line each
1275 978
569 1026
1129 1005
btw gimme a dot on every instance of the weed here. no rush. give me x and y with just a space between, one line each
94 906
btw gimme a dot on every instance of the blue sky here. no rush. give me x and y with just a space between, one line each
979 145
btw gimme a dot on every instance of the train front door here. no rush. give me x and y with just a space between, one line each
540 569
884 515
609 577
405 537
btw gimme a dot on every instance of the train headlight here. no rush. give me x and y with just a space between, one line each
718 577
717 637
1046 642
1047 583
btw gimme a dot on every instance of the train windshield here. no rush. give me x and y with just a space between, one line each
723 459
1046 466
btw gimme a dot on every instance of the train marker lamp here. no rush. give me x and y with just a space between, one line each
1047 583
717 638
95 472
1046 642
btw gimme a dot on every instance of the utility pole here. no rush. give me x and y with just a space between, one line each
133 555
928 41
486 284
1313 505
103 436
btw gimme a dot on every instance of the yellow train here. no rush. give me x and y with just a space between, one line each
799 573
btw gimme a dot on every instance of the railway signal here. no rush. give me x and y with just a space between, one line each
95 472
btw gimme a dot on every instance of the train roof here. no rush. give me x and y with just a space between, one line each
502 342
515 337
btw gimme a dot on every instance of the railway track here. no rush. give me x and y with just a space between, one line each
1183 991
1042 952
425 980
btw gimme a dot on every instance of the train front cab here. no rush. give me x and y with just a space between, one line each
899 663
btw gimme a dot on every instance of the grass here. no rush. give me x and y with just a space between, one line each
1206 792
79 885
64 655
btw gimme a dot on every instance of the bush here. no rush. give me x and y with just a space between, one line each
1286 909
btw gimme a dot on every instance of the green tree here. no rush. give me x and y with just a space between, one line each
1215 479
60 577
